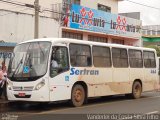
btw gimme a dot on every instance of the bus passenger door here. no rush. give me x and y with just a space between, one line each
59 74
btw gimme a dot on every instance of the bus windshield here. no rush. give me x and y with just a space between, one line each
29 61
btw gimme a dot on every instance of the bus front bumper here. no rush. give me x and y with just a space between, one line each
35 96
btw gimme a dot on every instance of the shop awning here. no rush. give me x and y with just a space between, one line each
151 39
7 44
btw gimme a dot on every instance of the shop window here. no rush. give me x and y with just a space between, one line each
101 56
149 59
117 41
97 39
120 58
72 35
80 55
104 8
135 59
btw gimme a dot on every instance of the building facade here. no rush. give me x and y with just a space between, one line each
79 19
100 22
151 35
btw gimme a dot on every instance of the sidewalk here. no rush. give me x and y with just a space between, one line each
3 103
158 88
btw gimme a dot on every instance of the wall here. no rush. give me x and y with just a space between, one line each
135 15
18 27
93 4
43 3
48 4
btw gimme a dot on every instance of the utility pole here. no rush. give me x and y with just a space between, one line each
36 24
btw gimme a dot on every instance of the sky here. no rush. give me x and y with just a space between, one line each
149 16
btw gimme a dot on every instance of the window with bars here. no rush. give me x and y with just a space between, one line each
72 35
97 39
117 41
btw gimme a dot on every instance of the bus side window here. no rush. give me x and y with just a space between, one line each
80 55
101 56
149 59
120 57
59 61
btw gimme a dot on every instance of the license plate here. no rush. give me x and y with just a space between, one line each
21 94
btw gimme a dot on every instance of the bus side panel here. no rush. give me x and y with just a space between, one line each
150 79
62 84
150 72
102 81
136 74
86 75
121 84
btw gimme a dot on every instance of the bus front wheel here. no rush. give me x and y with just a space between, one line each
77 96
136 90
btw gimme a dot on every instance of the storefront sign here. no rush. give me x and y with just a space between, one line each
98 21
5 55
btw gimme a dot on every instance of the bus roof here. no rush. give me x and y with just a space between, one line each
68 40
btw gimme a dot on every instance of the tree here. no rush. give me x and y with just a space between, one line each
157 48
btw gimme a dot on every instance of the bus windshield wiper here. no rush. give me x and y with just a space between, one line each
28 61
41 49
17 68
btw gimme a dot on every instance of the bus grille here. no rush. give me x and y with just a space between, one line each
16 88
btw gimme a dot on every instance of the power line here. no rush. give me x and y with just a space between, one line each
13 3
143 4
14 13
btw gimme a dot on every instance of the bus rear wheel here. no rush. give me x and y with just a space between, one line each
136 90
77 95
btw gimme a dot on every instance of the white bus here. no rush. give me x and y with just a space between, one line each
56 69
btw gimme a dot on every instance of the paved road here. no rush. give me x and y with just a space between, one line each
148 104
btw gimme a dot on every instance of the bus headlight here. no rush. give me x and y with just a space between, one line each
40 85
9 87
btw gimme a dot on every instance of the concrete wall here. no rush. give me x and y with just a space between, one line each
94 4
48 4
18 27
43 3
135 15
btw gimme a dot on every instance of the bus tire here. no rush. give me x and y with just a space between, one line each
136 90
77 96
